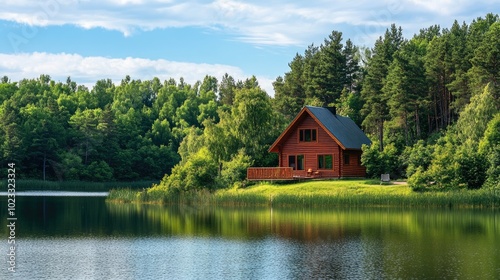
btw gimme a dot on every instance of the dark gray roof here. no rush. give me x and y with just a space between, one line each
342 128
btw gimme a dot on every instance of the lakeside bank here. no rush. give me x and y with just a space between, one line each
361 193
81 186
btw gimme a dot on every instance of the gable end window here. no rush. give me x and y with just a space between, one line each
307 135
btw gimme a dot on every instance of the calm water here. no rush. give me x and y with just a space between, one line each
86 238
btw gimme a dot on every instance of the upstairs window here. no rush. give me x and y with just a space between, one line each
307 135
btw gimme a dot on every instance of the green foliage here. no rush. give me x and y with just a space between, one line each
98 171
380 162
199 171
235 170
489 147
471 167
226 90
475 117
486 58
253 123
318 194
71 165
439 87
191 144
417 156
460 157
375 110
319 77
493 172
491 137
371 159
349 104
126 132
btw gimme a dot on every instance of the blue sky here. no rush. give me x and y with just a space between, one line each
91 40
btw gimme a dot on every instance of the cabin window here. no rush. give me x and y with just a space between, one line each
307 135
291 162
359 160
325 162
300 162
347 159
296 162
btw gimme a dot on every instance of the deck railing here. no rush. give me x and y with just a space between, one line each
270 173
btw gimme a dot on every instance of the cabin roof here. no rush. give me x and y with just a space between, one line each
342 129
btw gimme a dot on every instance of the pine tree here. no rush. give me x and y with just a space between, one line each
375 109
290 94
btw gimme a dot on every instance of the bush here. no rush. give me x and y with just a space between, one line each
471 168
236 170
197 172
377 162
71 166
98 171
419 155
419 180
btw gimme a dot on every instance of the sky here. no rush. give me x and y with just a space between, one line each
91 40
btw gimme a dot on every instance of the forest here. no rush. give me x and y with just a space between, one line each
430 104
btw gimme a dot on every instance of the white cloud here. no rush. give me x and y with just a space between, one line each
270 23
88 70
441 7
273 22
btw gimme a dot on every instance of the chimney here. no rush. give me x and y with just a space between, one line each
333 110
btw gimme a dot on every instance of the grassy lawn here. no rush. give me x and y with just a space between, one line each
362 193
354 193
331 188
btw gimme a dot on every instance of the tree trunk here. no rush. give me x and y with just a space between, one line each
86 150
417 122
407 133
44 164
381 134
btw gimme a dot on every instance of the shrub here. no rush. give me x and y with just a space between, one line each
471 167
419 155
377 162
197 172
98 171
236 170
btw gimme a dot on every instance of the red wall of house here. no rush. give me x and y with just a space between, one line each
354 168
322 146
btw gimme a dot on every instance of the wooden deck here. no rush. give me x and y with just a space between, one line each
270 173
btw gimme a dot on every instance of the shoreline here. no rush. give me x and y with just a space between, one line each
50 193
316 194
79 186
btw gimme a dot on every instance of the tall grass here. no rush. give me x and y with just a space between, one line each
458 199
37 185
319 194
126 195
155 196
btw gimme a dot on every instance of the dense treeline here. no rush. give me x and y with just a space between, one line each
431 105
131 131
429 102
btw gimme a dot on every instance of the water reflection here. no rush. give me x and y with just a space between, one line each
346 243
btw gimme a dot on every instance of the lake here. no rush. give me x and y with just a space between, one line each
75 237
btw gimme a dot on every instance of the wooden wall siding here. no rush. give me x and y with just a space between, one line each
354 168
270 173
323 145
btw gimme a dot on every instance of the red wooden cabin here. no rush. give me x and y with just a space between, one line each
317 144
